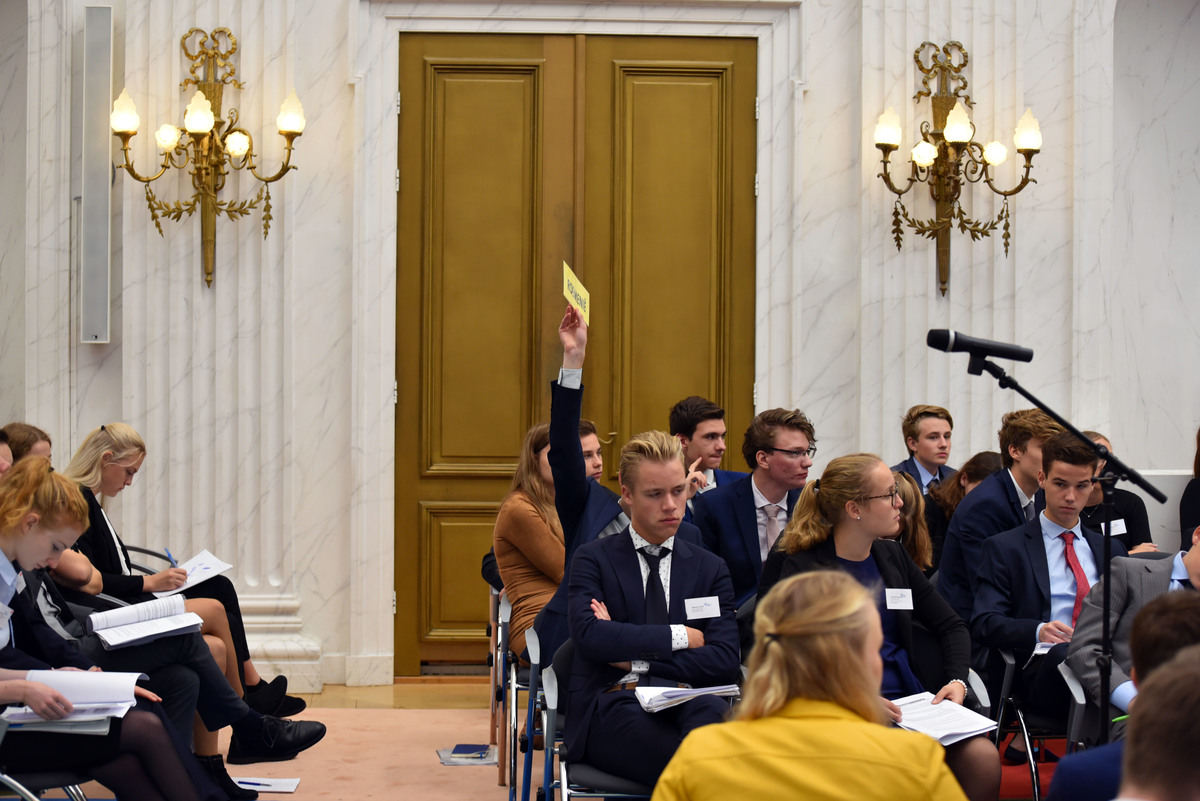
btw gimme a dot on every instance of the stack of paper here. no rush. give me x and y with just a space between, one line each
653 699
141 623
96 697
946 722
200 567
468 755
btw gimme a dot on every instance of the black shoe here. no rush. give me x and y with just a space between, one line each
280 740
214 766
266 696
290 705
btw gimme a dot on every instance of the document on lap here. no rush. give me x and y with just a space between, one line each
654 699
141 623
200 567
946 722
95 696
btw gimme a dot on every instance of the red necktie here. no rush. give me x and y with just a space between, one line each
1081 580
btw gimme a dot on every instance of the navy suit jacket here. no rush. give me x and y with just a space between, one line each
1091 775
720 479
909 466
987 510
728 522
1014 588
609 571
585 508
36 646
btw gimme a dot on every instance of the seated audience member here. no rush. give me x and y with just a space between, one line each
629 630
927 436
527 537
700 425
846 521
1189 503
6 457
1001 502
1130 522
913 532
104 465
810 724
1160 758
741 521
587 510
1034 579
41 514
1135 583
943 499
1164 626
25 439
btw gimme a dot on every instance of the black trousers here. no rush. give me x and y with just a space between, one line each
1042 688
626 740
183 673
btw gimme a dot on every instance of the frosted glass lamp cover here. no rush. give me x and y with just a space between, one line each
124 117
291 115
924 154
887 130
958 125
198 118
1029 133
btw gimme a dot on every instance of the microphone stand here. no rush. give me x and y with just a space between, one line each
1114 470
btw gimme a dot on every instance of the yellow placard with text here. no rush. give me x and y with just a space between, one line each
576 294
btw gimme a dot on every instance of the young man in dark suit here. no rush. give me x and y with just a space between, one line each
646 609
1034 578
1002 501
700 426
741 521
927 431
587 510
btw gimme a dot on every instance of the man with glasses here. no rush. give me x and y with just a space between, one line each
741 521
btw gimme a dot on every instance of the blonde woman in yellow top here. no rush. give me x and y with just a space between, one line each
811 724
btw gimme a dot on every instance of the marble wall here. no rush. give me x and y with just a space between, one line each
266 401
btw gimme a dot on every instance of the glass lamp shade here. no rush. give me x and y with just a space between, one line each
237 144
198 118
291 115
167 136
995 153
958 125
924 154
124 117
1029 133
887 129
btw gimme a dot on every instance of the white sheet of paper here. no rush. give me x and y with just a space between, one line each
1118 527
268 785
899 598
700 608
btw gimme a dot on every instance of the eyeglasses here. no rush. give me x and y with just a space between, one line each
810 453
891 496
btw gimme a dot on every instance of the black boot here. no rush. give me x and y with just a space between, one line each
214 766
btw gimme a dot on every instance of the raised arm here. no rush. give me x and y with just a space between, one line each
566 454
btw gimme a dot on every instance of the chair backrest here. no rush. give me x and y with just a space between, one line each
533 647
563 657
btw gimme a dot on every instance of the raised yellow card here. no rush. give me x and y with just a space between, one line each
576 294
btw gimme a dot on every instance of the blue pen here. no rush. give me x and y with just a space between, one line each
250 783
170 558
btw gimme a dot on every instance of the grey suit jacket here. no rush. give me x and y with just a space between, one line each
1135 583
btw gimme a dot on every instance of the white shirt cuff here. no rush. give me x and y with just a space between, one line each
640 666
679 640
570 378
1123 694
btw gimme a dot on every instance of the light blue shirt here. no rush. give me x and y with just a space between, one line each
1179 573
926 476
1062 579
8 581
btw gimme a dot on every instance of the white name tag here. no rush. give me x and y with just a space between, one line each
898 599
1118 527
5 614
699 608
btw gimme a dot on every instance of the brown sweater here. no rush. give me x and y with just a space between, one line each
530 556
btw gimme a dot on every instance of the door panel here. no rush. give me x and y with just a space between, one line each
632 159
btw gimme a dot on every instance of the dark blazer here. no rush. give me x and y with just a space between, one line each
987 510
728 522
909 466
937 523
609 571
935 638
1091 775
1189 513
98 547
1014 589
585 508
36 646
720 479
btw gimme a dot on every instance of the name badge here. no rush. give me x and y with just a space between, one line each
898 599
700 608
1118 527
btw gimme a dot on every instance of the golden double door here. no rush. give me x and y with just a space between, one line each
630 158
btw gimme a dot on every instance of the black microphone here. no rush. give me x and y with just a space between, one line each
954 342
